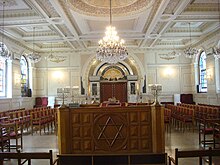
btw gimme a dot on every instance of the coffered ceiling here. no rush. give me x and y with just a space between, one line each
76 25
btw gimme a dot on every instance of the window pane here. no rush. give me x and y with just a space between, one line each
202 73
24 76
2 76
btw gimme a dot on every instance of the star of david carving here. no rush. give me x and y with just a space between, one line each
115 128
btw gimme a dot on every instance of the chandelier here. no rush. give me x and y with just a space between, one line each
4 52
55 58
34 56
190 52
111 48
170 55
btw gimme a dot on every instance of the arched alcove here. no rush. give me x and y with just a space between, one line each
129 72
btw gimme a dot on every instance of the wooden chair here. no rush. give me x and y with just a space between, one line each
167 119
37 121
194 153
16 133
206 128
5 138
24 157
216 135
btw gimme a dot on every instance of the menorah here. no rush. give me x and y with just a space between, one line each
63 93
155 89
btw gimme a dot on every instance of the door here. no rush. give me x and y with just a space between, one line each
113 89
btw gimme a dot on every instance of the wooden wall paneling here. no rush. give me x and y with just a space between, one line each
64 131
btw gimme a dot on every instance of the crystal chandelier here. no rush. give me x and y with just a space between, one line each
4 52
190 52
34 56
55 58
111 48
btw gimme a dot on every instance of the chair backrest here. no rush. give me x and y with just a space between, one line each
194 153
148 158
26 156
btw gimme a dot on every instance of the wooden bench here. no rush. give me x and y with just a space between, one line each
194 153
24 157
110 159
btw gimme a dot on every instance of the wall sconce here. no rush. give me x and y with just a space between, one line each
58 76
168 72
209 74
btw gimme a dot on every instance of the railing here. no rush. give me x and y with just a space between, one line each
194 153
23 157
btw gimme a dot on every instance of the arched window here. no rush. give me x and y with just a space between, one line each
24 76
3 72
202 73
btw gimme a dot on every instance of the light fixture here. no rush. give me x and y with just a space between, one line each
111 48
4 52
34 57
55 58
190 52
170 55
216 50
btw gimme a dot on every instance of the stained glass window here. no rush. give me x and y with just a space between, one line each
24 76
202 73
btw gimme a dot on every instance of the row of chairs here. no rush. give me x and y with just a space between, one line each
13 123
42 119
206 118
181 117
203 111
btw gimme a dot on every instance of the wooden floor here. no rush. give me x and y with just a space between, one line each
174 139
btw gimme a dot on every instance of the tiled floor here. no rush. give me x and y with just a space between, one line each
176 139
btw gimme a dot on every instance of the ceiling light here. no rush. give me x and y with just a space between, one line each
34 56
170 55
55 58
4 52
111 48
190 52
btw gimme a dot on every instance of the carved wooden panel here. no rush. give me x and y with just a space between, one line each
111 131
113 89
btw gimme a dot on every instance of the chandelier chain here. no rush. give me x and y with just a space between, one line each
3 21
110 12
34 57
4 52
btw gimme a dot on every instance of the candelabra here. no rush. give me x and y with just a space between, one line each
63 93
155 89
